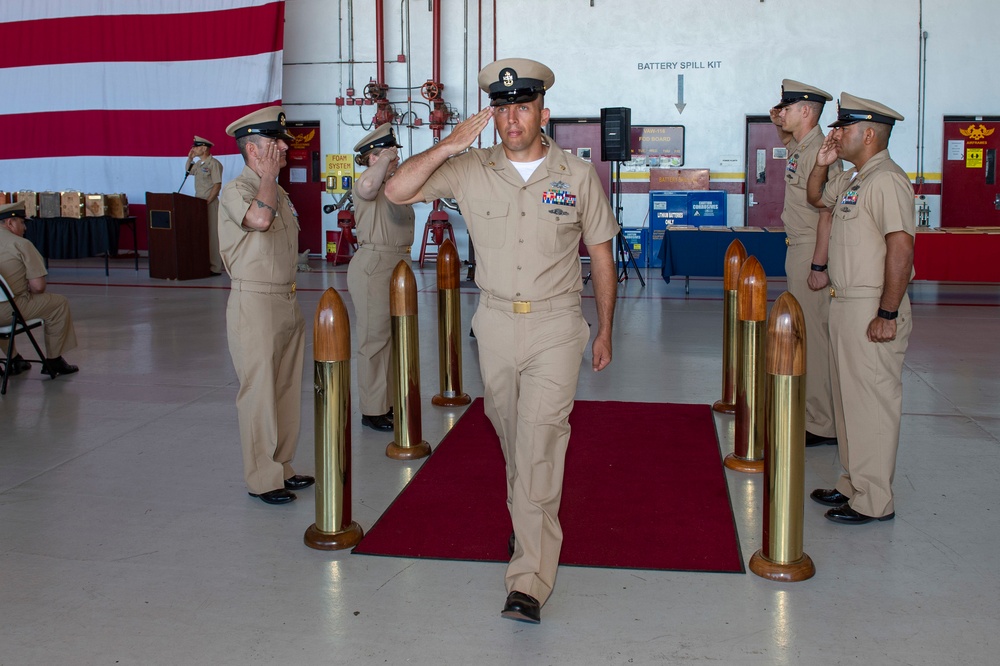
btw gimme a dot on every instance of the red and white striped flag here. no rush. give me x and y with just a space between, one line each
104 96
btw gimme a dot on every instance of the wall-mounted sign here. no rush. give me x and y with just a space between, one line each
655 146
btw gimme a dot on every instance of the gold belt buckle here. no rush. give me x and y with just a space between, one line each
293 287
788 243
833 293
522 307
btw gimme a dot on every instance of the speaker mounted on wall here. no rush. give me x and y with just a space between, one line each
616 130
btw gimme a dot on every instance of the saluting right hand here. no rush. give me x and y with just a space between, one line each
829 152
268 160
774 116
465 133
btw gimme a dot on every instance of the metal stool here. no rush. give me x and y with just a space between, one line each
434 234
347 244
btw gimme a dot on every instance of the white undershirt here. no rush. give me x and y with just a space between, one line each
527 168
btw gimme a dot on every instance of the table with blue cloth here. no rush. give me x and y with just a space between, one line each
701 251
76 238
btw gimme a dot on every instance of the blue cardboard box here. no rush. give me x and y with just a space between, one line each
666 208
638 241
707 207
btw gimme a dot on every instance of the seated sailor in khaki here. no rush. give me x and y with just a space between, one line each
24 270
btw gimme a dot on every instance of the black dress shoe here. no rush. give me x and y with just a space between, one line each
58 366
381 422
848 516
829 496
279 496
819 440
18 365
298 482
510 545
522 608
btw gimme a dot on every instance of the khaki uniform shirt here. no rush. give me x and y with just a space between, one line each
798 216
20 261
207 173
268 257
868 205
526 235
381 222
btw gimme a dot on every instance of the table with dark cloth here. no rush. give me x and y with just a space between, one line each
701 251
952 255
76 238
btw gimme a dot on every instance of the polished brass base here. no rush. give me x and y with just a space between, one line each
455 401
735 463
348 538
724 407
801 569
397 452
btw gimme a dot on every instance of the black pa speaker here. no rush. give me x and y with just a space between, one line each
616 130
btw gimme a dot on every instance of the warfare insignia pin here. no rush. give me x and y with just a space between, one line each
558 211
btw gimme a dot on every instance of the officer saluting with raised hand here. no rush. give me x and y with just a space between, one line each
207 184
385 235
807 231
527 204
871 264
258 238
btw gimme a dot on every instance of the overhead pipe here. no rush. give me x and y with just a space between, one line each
432 90
384 114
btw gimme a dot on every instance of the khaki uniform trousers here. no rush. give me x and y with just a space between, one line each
368 277
214 257
816 311
266 340
531 365
60 336
868 400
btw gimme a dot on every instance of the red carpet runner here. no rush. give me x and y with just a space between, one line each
644 489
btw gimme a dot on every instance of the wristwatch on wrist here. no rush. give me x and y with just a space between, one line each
885 314
817 267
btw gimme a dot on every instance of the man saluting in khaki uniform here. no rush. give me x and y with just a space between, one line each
385 234
871 263
258 238
207 184
527 205
808 238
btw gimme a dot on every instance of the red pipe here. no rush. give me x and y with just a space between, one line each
380 41
437 41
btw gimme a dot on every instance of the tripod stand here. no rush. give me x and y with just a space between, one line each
624 250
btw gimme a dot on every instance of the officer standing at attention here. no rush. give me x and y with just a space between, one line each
258 237
24 270
871 264
385 236
527 204
808 238
207 183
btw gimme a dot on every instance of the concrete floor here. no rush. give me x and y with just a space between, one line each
127 536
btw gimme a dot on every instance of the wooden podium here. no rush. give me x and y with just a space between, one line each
178 236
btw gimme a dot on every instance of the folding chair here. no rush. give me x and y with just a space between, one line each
17 326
